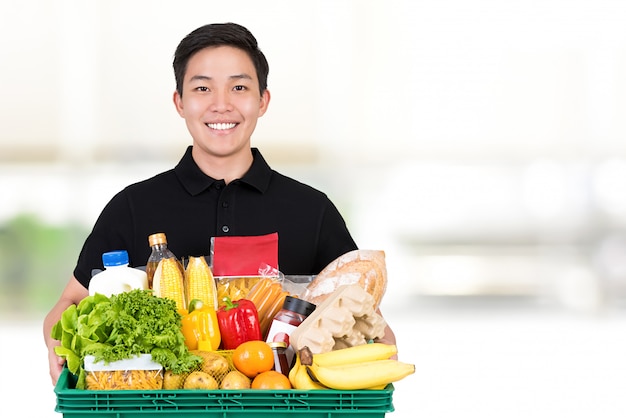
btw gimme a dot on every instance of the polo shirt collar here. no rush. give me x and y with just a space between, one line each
195 181
259 174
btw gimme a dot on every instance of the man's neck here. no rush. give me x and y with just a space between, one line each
223 168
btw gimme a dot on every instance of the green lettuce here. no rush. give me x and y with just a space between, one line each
121 327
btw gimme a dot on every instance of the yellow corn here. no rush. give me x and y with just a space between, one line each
199 282
168 282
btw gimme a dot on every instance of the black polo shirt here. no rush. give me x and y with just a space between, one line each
191 207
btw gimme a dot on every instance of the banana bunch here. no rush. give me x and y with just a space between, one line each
365 366
300 378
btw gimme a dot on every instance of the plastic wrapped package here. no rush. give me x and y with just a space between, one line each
268 297
234 287
139 373
243 255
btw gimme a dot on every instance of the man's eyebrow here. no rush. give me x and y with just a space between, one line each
200 78
241 76
232 77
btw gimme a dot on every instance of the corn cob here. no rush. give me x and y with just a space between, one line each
199 282
168 282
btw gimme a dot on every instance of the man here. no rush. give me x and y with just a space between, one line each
222 186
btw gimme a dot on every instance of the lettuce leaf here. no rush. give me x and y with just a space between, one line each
120 327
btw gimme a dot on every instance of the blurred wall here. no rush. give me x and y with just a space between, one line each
480 143
384 80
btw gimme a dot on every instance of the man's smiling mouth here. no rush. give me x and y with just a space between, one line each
221 126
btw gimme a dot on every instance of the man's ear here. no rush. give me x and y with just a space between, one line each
265 101
178 103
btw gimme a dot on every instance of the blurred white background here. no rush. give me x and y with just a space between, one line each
479 143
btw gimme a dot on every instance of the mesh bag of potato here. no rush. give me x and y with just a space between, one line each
215 372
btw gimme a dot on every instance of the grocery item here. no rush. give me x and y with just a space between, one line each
173 381
268 296
213 363
136 373
280 359
151 325
168 283
253 357
238 322
199 282
235 380
271 380
371 374
300 379
200 380
371 369
217 364
117 276
234 287
293 370
363 267
200 327
243 255
356 354
159 251
346 318
294 311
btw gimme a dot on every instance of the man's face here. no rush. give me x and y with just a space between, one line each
221 101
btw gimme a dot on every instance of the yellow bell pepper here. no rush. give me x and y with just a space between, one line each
200 327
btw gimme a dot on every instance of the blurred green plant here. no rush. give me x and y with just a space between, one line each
36 261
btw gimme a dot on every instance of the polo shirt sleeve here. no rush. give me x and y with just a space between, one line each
334 238
112 231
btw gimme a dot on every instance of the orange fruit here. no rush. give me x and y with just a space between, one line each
253 357
271 380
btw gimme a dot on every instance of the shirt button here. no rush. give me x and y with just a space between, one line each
225 228
224 204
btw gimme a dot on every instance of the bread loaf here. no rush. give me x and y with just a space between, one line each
363 267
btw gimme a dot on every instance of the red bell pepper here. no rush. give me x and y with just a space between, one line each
238 322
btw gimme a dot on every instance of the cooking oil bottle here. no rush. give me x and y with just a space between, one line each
158 243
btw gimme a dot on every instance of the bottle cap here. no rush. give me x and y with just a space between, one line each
158 238
277 344
115 258
298 305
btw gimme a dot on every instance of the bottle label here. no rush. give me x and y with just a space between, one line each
280 331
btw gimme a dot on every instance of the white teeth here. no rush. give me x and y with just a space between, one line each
221 126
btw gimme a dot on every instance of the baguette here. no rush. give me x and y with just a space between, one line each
363 267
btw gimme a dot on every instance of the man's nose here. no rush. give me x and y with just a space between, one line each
221 101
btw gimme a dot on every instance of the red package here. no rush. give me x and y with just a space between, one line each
244 256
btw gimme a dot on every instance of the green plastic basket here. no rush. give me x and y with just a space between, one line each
75 403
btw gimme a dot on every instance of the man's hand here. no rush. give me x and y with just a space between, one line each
73 293
56 362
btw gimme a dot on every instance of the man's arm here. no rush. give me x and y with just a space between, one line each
73 293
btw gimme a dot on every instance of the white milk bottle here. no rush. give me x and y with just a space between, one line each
117 276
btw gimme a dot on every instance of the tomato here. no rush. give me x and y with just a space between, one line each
271 380
253 357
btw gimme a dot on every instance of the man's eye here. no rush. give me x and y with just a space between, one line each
202 88
240 88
